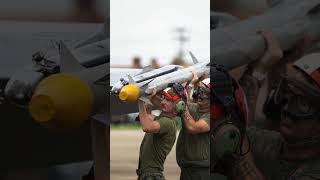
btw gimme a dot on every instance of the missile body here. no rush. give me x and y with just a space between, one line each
67 99
144 83
238 44
144 77
183 75
64 90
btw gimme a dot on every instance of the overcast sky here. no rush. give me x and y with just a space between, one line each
146 28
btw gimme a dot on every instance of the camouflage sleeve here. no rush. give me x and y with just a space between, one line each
166 125
264 144
206 118
193 107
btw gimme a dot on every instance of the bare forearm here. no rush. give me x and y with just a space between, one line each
190 123
190 89
193 126
146 119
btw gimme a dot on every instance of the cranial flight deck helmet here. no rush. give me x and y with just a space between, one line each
228 115
303 100
176 93
203 90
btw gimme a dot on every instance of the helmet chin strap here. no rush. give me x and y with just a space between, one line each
204 108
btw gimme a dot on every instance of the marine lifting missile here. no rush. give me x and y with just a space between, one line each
141 85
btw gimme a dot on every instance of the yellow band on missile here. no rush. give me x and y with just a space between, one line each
61 101
129 93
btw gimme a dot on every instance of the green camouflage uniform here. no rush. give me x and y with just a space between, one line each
266 147
154 149
193 150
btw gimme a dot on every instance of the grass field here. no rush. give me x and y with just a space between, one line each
126 126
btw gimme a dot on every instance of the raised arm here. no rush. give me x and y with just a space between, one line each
147 120
192 126
255 74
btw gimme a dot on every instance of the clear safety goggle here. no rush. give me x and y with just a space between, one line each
301 100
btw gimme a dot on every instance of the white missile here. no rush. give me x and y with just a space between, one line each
238 44
68 98
144 83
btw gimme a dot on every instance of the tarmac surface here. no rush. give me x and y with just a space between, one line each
124 154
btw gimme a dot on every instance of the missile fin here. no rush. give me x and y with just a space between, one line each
131 81
194 59
68 63
147 69
100 36
146 100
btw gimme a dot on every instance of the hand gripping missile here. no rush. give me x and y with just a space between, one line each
238 44
143 84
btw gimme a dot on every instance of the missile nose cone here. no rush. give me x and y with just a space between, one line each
129 93
61 101
123 95
42 108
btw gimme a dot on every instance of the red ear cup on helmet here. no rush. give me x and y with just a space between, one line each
216 110
241 102
206 82
310 65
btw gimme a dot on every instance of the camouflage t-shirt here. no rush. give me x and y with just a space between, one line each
156 146
266 147
194 149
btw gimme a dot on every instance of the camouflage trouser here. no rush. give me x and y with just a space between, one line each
194 173
150 174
